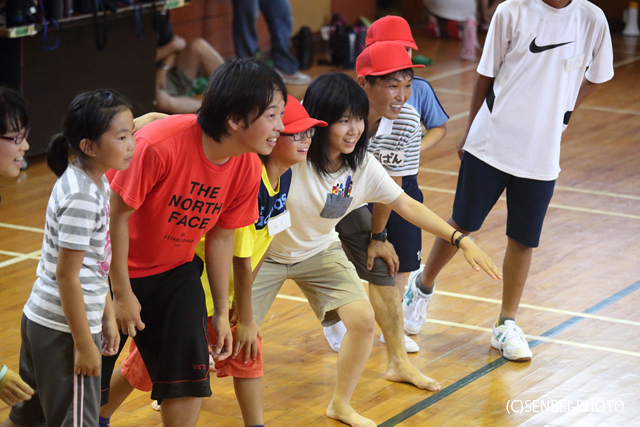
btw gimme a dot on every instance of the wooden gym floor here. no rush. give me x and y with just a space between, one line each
580 306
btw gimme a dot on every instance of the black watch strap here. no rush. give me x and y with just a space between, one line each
382 236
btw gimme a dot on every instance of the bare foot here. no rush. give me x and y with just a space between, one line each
155 406
347 415
407 373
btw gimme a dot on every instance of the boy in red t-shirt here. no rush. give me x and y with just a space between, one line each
191 176
250 247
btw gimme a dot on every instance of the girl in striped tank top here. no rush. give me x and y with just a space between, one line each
68 319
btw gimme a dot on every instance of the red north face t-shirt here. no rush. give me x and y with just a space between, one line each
178 194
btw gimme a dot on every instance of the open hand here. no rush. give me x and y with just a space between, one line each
478 259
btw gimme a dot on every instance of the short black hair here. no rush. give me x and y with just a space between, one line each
14 114
329 98
404 73
241 89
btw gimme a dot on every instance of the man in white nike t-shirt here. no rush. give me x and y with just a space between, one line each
542 58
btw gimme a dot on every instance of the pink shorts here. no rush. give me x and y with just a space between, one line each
135 372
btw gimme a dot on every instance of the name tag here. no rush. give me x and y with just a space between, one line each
391 158
279 223
574 63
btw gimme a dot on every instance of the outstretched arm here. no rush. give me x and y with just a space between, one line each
421 216
145 119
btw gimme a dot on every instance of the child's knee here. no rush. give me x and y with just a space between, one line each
358 317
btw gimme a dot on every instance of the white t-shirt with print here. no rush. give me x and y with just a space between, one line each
317 203
538 56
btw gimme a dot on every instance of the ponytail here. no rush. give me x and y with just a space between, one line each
88 117
58 154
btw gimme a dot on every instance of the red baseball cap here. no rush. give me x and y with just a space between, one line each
391 29
296 119
383 58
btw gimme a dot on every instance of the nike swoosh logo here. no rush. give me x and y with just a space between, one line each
534 48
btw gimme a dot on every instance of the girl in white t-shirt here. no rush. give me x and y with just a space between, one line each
340 176
69 319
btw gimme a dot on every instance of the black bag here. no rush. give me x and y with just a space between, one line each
304 41
337 40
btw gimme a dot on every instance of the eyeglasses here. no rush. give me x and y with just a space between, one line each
301 135
18 139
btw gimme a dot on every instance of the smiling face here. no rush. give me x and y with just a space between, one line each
116 146
260 135
11 154
343 137
386 96
289 151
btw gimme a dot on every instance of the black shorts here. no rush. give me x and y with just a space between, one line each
479 188
405 237
354 231
174 344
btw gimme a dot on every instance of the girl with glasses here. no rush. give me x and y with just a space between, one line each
14 122
14 130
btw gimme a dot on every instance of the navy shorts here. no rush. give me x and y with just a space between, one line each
479 188
405 237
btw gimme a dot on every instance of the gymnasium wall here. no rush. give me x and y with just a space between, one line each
211 19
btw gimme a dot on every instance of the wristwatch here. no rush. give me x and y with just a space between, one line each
382 236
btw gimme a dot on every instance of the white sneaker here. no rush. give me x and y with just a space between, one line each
414 304
510 340
334 334
410 345
296 78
